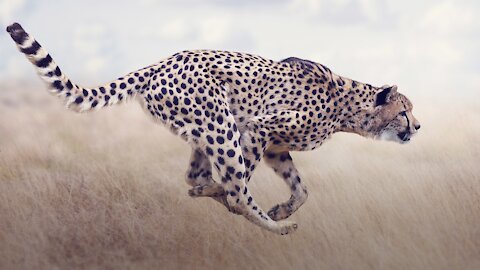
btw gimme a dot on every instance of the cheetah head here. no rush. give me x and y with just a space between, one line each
391 118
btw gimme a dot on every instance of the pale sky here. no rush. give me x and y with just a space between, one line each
424 47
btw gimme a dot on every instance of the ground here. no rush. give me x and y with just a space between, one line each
106 190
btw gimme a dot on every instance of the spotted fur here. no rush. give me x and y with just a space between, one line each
236 108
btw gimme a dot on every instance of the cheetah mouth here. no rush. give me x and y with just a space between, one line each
404 136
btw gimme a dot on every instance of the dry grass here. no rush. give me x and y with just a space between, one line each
106 191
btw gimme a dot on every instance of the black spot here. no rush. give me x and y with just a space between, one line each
284 157
79 100
231 153
58 85
195 133
229 135
270 155
58 72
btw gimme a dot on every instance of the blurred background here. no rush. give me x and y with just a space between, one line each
427 47
106 190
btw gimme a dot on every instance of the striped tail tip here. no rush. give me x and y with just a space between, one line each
77 98
17 33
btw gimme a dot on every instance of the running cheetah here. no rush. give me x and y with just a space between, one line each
235 108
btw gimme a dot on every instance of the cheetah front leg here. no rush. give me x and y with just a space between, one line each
283 166
275 125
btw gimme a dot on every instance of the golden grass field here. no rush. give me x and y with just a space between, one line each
106 190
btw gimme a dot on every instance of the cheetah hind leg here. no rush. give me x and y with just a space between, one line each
199 176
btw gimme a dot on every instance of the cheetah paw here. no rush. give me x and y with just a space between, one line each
210 190
287 227
216 192
279 212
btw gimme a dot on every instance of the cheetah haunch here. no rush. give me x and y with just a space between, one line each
235 108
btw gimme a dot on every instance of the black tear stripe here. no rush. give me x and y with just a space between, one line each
43 63
406 116
32 49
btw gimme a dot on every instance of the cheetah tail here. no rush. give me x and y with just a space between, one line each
77 98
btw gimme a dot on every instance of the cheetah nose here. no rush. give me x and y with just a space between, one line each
417 127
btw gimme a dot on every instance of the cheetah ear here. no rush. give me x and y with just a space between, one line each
385 94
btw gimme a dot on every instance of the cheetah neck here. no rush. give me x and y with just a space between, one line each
355 102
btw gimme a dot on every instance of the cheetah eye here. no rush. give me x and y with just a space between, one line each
403 113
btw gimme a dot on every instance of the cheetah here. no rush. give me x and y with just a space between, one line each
235 109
